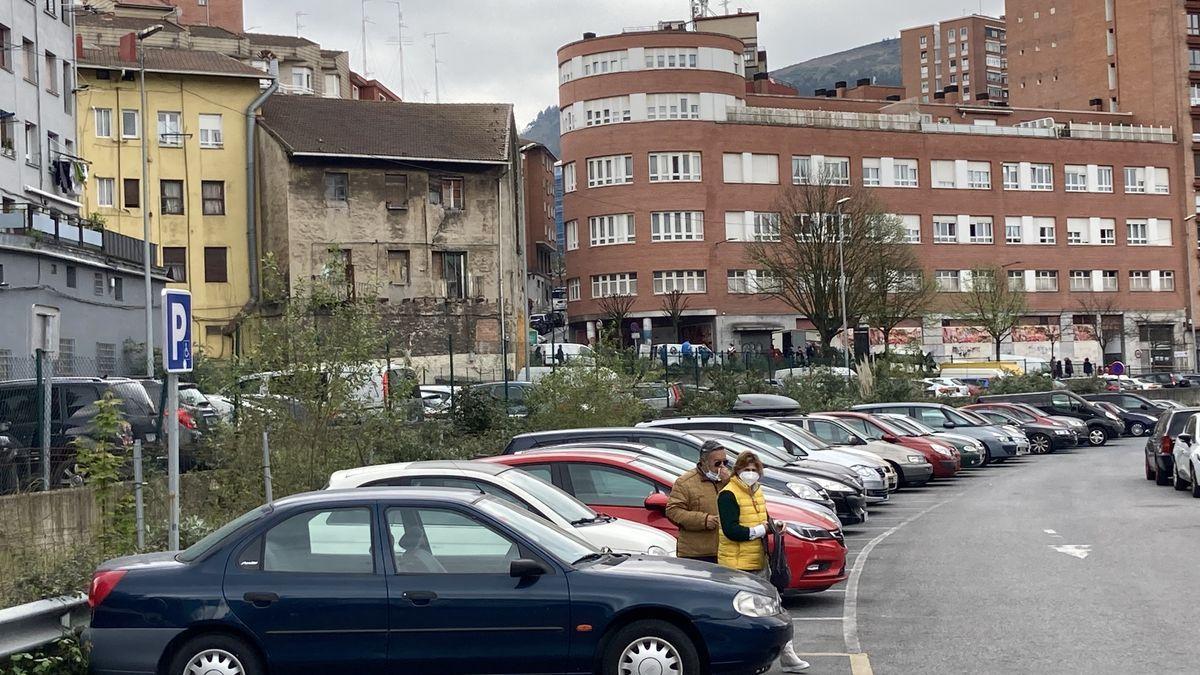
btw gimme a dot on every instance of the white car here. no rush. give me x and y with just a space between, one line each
519 488
946 386
1187 458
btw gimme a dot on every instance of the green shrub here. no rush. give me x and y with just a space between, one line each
1020 384
582 396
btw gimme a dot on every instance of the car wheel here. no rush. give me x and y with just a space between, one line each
1137 429
1097 437
1195 482
1149 470
1039 444
215 654
650 646
1177 480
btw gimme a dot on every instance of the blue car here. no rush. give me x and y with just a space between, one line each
395 580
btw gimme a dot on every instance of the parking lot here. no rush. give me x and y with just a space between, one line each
1066 563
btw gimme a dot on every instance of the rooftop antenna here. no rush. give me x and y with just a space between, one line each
725 7
365 21
437 88
401 41
299 26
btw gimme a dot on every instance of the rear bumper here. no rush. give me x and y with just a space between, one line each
126 651
1164 463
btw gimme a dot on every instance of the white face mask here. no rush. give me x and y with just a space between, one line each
749 477
713 476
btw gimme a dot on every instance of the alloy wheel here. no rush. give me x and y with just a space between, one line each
1137 429
214 662
1097 437
1040 444
649 655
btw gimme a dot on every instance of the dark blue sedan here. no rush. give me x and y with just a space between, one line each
415 580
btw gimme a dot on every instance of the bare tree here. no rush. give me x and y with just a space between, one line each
903 292
674 304
799 251
1102 312
616 309
993 304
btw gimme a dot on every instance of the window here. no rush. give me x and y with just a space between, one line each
1166 280
1193 24
825 171
7 141
6 40
446 191
1078 230
1041 177
1162 182
605 62
175 260
1139 280
215 268
1011 173
607 111
51 73
130 124
981 230
213 194
211 135
1045 230
29 55
106 358
132 193
614 229
571 230
569 177
605 285
750 168
672 106
912 229
605 486
105 187
737 282
1016 280
1194 59
302 79
836 170
905 172
684 281
1046 281
397 266
71 274
979 175
572 290
674 166
1075 178
103 122
118 289
671 57
337 186
97 283
677 226
33 145
1108 281
565 72
330 541
430 541
870 172
170 134
945 229
1081 280
1108 231
751 226
171 197
1139 234
947 280
613 170
453 268
333 86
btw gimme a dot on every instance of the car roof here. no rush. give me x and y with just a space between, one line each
604 431
441 494
70 380
382 470
618 456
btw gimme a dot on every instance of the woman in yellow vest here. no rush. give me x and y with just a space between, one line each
742 537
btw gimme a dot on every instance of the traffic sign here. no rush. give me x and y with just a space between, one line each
177 331
1116 368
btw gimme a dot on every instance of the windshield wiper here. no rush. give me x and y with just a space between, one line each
599 517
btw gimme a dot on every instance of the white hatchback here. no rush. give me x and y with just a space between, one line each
1187 457
521 489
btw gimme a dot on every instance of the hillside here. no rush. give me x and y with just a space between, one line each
544 130
880 60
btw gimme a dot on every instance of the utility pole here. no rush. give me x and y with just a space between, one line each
145 205
299 26
400 41
846 345
437 87
364 38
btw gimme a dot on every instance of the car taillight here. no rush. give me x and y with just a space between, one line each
103 582
1167 445
186 420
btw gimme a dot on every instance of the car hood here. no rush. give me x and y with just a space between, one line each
1140 417
624 536
848 457
891 451
959 441
814 468
675 570
783 507
1069 421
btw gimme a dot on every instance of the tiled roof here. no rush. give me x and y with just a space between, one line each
279 40
477 132
130 23
173 61
213 32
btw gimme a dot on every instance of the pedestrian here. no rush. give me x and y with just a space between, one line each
809 352
1088 368
730 353
742 537
686 350
1068 368
692 506
560 356
705 355
1056 369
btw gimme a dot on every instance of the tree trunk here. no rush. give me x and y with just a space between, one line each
887 332
998 341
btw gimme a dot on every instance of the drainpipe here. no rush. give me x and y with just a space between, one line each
251 220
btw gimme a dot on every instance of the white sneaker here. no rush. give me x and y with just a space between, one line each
798 667
789 662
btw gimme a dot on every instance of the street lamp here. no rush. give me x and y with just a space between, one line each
1191 306
141 36
837 209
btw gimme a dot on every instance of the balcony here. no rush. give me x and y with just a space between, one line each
73 233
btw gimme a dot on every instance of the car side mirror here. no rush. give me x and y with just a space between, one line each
5 426
656 501
948 425
1186 439
524 567
889 438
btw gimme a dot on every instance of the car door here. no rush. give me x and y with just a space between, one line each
1061 404
312 591
454 608
1183 451
830 432
616 492
19 408
933 417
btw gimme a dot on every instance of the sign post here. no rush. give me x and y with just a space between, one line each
177 358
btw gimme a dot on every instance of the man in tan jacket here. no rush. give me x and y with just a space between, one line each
693 504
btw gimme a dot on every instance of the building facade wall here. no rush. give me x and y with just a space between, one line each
540 232
227 14
931 60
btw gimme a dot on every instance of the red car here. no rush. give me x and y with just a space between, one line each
635 487
945 459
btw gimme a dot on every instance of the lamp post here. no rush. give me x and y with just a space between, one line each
146 262
1191 308
837 209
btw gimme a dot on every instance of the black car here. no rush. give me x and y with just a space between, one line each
1043 438
1130 401
1102 425
1167 380
511 394
1160 447
1136 423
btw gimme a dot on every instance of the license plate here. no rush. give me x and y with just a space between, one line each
150 438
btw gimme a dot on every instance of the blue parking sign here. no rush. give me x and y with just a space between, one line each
177 331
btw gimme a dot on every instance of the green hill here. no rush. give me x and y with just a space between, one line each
879 60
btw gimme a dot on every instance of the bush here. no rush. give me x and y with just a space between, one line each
1086 385
1021 384
821 389
580 396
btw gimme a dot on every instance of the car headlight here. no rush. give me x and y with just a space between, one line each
865 472
916 459
833 485
976 446
1113 417
1062 432
944 452
804 491
756 604
657 550
808 532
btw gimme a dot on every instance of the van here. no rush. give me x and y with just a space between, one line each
572 353
373 384
1102 425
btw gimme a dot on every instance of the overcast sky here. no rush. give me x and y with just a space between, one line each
503 50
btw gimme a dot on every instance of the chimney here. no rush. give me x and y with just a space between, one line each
128 48
893 97
78 46
831 93
819 92
863 82
589 36
1096 104
841 88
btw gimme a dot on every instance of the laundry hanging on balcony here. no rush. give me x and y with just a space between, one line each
69 175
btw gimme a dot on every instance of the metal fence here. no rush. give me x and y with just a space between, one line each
27 627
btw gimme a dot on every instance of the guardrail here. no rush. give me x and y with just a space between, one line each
27 627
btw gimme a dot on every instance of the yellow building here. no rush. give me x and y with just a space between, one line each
195 121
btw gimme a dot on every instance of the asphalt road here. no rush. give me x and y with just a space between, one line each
1065 563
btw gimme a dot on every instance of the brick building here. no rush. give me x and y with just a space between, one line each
541 237
968 52
226 14
671 165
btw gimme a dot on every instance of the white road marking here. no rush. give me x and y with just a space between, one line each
1052 533
816 618
1080 551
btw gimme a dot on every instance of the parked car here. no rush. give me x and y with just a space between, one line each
1160 446
912 468
877 476
972 452
513 400
1000 444
1166 380
842 484
1044 436
1102 425
1136 423
325 582
659 395
196 415
626 485
520 489
1132 401
1187 458
571 353
938 451
946 387
1026 413
372 386
1125 382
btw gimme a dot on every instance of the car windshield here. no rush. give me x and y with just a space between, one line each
562 545
974 418
960 418
560 502
1019 414
914 426
862 427
134 399
202 547
800 437
192 397
1178 420
769 455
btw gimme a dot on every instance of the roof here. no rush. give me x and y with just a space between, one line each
439 494
161 60
279 40
455 132
130 23
604 431
213 32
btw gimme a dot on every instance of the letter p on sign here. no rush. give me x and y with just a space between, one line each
177 331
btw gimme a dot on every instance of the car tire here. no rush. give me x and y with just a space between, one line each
1040 444
652 640
1195 482
1149 469
233 656
1137 429
1177 481
1097 437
